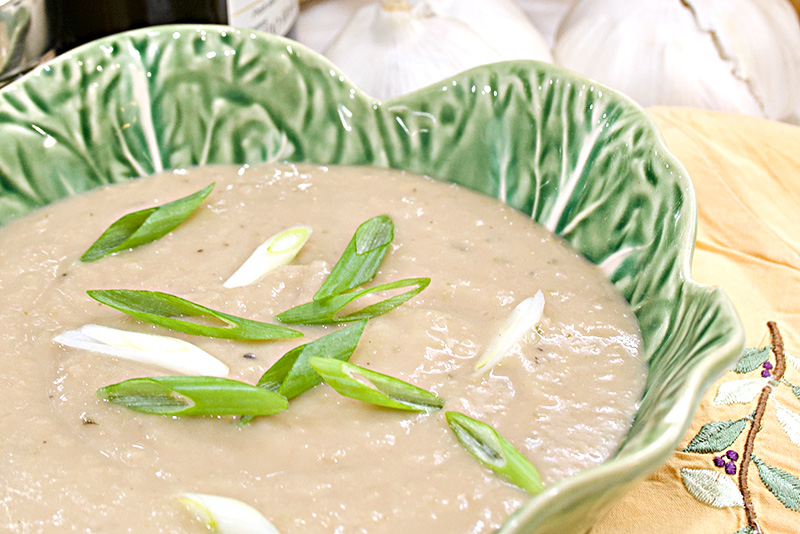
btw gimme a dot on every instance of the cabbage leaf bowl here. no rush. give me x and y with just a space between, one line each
578 157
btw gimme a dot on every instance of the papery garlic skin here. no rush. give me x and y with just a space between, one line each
762 39
395 47
739 56
546 15
320 22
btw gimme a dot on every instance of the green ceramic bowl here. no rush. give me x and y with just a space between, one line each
581 159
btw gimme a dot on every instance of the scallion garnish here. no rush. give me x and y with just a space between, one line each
361 258
144 226
518 324
278 250
375 388
167 352
193 395
493 451
161 309
292 375
324 312
225 515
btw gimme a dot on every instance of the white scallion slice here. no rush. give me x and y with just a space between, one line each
519 323
278 250
226 515
167 352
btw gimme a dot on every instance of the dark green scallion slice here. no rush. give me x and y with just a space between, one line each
374 388
144 226
161 309
291 375
361 258
193 395
325 312
493 451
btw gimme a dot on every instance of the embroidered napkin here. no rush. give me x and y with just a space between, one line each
738 468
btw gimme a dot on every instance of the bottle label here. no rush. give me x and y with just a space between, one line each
271 16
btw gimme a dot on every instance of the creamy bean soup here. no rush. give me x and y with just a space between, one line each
70 461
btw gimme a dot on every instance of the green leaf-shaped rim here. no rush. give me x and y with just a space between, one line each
582 159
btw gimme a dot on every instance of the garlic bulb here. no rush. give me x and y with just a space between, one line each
319 22
393 47
546 15
740 56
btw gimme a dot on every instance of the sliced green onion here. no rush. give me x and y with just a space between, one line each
361 258
225 515
291 375
161 309
382 389
493 451
144 226
166 352
324 312
518 325
278 250
193 395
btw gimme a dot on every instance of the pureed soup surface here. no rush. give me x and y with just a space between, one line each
70 462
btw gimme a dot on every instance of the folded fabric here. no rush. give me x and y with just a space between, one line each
746 173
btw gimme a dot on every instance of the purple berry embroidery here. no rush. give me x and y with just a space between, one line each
719 462
730 468
767 366
733 455
765 373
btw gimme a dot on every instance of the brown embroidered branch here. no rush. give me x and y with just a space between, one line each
780 368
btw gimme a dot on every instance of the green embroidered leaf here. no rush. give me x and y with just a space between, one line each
361 259
784 486
144 226
193 395
746 530
714 488
740 391
716 436
795 361
161 309
382 390
324 312
790 422
752 359
796 391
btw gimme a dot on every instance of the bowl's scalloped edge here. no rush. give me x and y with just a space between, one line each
638 463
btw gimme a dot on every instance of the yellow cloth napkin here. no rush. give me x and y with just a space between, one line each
746 173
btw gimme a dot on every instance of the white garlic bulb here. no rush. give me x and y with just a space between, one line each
546 15
741 56
393 47
320 22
